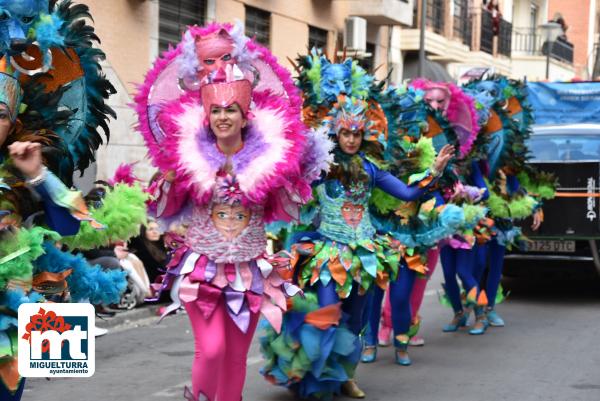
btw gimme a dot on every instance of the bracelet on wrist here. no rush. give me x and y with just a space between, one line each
40 178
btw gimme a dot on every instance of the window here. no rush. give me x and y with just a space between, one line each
258 25
173 18
462 22
435 15
317 37
368 63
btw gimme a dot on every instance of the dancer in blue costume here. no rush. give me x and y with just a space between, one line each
418 225
52 93
509 201
22 173
458 258
342 261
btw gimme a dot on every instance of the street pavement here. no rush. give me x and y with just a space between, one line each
549 350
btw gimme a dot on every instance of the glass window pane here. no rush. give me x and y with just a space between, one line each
174 16
564 147
258 25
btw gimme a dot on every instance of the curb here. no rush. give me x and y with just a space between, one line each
128 316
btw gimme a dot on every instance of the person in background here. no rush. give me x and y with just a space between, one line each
150 249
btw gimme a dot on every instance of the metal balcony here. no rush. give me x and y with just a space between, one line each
504 33
532 42
505 38
487 33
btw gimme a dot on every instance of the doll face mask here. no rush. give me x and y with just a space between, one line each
352 213
229 220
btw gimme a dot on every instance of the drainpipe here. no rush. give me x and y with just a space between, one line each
422 39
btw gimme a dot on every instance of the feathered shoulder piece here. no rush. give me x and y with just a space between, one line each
459 108
416 131
507 124
269 162
60 59
179 71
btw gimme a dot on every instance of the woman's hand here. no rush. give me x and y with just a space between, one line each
27 157
442 159
121 251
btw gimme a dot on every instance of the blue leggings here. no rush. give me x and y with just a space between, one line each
400 291
461 262
493 253
353 305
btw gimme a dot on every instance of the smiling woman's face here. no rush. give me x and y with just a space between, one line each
226 122
5 123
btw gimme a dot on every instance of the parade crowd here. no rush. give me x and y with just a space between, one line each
322 201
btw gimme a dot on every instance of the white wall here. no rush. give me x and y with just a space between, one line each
534 68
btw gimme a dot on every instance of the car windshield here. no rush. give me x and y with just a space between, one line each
564 146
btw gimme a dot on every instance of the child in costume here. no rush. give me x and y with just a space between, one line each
235 144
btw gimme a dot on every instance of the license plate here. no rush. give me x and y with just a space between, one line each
551 246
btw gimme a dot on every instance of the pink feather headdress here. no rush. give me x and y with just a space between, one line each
176 74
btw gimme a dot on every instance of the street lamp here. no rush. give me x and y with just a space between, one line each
552 30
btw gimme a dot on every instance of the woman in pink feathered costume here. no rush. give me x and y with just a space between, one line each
231 150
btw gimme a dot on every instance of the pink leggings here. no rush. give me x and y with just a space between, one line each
221 348
418 291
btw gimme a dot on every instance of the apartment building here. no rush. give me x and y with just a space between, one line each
460 34
135 31
581 20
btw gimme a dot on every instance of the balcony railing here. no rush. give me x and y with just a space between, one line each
504 44
487 33
532 41
505 38
436 15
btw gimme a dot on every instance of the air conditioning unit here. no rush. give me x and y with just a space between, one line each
355 34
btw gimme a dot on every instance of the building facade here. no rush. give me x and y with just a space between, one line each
460 35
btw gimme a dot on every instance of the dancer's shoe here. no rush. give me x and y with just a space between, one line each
384 336
494 318
401 344
417 341
459 320
369 354
481 322
351 389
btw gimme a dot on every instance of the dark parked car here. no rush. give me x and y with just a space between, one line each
570 234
